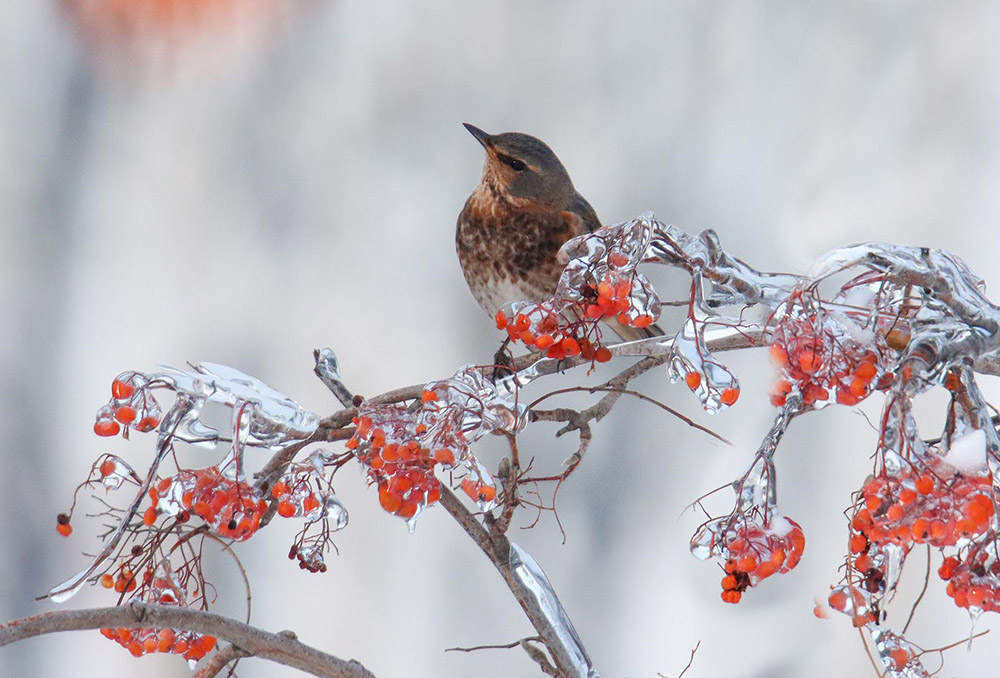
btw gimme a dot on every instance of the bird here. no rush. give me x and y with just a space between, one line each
512 226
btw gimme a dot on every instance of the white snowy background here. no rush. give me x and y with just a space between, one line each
291 181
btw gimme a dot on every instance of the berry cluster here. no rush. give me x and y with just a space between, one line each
825 357
389 445
612 296
297 499
188 644
131 405
751 552
401 445
164 588
232 509
123 581
935 506
540 326
974 578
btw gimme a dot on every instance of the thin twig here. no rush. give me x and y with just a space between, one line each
688 665
502 646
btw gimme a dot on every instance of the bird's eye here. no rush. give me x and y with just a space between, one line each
513 163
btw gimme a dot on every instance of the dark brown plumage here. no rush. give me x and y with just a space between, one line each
512 226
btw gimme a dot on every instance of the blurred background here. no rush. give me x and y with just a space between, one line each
244 182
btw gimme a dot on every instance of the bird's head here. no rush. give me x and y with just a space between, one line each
524 168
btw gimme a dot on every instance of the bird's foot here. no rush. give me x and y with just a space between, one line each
503 362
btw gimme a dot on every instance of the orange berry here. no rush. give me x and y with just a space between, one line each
729 582
286 509
165 640
907 496
427 396
107 468
813 392
390 502
65 529
602 355
859 387
121 389
948 567
280 488
107 581
779 356
809 362
149 516
895 513
522 322
858 543
444 456
571 346
900 658
643 321
543 341
766 569
730 395
106 427
310 504
746 564
605 289
731 596
501 319
838 600
693 380
617 259
125 414
924 484
407 509
866 371
487 493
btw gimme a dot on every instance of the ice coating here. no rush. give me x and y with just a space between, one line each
530 575
401 445
897 655
472 404
755 540
273 419
716 387
113 471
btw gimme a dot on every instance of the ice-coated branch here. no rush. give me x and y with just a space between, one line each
538 602
282 648
909 319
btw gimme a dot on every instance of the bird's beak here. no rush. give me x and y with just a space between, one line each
481 136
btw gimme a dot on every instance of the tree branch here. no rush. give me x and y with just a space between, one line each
282 648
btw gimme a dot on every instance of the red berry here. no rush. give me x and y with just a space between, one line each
121 389
106 427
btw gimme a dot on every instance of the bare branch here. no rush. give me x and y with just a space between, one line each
282 648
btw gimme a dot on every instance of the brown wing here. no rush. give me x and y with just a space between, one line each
580 207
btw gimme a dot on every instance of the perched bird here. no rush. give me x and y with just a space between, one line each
512 226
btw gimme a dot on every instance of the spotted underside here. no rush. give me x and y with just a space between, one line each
509 254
